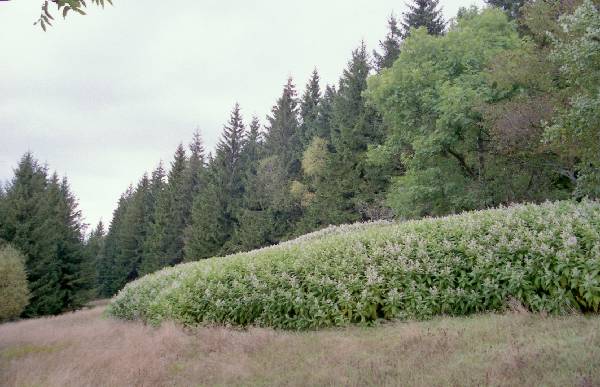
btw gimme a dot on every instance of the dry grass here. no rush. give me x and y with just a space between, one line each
85 349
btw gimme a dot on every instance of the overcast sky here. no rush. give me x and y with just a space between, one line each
102 98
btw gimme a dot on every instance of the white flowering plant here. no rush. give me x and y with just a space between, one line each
545 256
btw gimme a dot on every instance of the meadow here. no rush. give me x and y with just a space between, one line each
513 349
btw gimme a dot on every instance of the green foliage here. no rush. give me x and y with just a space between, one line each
544 256
65 6
14 293
315 158
577 53
435 100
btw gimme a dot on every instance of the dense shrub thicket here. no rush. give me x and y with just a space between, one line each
14 293
545 256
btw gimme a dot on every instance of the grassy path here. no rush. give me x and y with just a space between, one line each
85 349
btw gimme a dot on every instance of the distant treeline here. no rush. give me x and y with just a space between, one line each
496 106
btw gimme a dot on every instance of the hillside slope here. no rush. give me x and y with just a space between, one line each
546 257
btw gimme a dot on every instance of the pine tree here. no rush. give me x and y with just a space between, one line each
22 200
424 13
196 165
133 234
390 47
345 186
44 266
94 252
325 116
252 150
41 219
229 160
282 137
172 212
109 277
355 125
309 109
206 234
282 166
216 209
151 251
27 213
71 250
251 228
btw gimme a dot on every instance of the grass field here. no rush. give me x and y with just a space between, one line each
85 349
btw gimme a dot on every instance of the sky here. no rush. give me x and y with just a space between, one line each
102 98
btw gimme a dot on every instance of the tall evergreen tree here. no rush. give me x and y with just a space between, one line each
251 231
216 210
195 170
207 233
309 109
252 150
282 138
41 219
108 277
94 252
390 46
325 117
347 185
151 253
134 233
71 248
172 213
423 13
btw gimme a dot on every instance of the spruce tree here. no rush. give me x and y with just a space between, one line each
346 186
251 228
276 173
133 234
151 252
325 117
195 170
216 209
172 212
71 249
22 200
110 278
44 266
423 13
41 219
390 46
309 109
282 137
94 252
207 233
252 149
